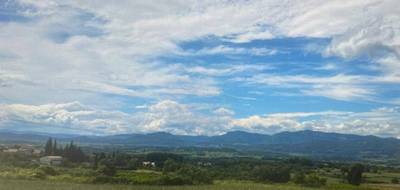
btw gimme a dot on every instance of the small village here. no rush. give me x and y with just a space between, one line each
21 149
38 155
29 150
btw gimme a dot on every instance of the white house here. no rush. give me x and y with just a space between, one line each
51 160
148 163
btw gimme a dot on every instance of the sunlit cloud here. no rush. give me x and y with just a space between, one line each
136 66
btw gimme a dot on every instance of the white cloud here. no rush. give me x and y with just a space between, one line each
227 50
327 67
303 79
177 118
382 122
144 106
167 115
339 86
308 114
227 70
60 52
107 44
268 125
249 36
377 38
340 92
224 112
80 50
65 117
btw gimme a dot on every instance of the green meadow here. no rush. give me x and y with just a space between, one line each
15 184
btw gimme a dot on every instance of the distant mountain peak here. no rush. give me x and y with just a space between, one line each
160 133
238 132
305 142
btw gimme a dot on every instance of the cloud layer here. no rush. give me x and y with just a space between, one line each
186 119
106 58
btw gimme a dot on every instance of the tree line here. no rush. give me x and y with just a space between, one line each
179 170
70 151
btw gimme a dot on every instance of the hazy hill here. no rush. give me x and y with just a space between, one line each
301 142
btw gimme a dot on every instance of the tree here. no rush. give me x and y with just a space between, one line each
51 148
299 178
272 174
132 164
96 159
195 175
48 149
354 175
170 166
313 180
54 148
108 170
160 157
73 153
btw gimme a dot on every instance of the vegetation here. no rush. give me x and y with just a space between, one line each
222 185
99 168
354 174
71 152
272 174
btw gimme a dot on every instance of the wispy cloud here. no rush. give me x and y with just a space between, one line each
227 50
178 118
340 86
228 69
99 53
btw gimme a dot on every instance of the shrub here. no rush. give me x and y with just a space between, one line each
47 170
107 170
354 175
170 166
395 180
160 157
102 179
175 180
299 178
195 175
313 180
272 174
39 174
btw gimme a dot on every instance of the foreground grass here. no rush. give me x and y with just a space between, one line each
12 184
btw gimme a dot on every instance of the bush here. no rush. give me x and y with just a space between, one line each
299 178
313 180
170 166
175 180
272 174
354 175
102 179
47 170
160 157
39 174
107 170
395 180
195 175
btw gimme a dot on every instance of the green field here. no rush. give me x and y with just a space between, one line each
10 184
171 171
17 178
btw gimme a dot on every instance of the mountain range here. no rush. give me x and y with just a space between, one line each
306 142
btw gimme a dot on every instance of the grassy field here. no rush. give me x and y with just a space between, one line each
7 184
15 178
384 177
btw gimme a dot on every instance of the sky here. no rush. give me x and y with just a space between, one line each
200 67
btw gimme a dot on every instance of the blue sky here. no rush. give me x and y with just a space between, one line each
200 67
